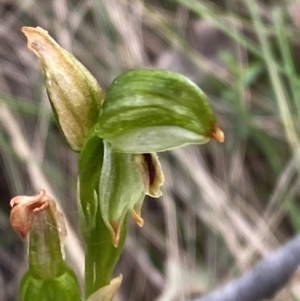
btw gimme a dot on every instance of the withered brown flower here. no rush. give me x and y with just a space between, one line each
26 207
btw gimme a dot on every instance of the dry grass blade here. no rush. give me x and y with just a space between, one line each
224 207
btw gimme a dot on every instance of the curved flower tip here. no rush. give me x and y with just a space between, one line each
137 217
217 134
25 208
37 38
156 110
116 228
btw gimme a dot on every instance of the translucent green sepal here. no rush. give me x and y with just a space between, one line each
121 188
156 110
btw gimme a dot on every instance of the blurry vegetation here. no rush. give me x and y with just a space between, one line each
224 206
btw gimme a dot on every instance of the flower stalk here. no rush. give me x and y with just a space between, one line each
48 277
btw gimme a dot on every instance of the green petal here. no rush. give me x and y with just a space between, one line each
155 110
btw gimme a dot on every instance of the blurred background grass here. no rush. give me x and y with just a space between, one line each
225 206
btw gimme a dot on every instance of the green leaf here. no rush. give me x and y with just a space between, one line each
155 110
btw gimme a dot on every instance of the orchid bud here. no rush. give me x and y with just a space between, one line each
156 110
48 277
74 93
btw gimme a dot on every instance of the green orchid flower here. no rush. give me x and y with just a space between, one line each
144 111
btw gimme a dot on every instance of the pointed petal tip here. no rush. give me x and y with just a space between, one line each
137 218
28 29
107 293
117 279
217 134
154 192
36 37
22 233
115 232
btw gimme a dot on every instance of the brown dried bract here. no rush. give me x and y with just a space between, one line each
74 93
45 47
107 292
25 208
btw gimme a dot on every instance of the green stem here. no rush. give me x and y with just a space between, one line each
101 256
